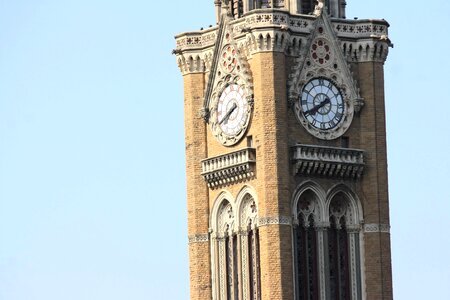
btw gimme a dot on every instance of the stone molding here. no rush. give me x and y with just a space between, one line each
373 228
229 168
277 30
275 220
198 238
332 162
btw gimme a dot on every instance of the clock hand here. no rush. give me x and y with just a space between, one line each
316 108
228 114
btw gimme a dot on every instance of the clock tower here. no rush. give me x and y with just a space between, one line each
286 165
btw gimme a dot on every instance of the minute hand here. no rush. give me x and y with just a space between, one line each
228 114
315 109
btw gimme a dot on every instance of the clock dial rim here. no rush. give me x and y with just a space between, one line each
232 120
322 103
231 135
341 126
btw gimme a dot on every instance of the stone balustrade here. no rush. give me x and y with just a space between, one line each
329 162
229 168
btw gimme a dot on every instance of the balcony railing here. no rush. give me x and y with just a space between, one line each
328 162
229 168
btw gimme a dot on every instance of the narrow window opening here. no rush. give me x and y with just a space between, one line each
306 247
253 250
339 271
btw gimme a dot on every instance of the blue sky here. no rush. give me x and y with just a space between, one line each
92 184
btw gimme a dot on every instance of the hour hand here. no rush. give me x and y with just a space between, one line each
228 114
316 108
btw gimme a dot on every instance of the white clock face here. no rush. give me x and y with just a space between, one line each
232 110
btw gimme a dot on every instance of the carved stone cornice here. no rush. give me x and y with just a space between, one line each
356 29
278 30
332 162
229 168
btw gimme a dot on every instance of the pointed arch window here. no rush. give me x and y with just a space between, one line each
235 250
251 258
306 248
226 259
338 250
326 243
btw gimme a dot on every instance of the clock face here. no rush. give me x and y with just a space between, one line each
232 110
322 105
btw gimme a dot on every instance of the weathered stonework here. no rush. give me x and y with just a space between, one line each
253 186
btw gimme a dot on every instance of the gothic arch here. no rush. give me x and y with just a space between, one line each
222 201
247 205
327 242
344 212
320 197
355 216
235 245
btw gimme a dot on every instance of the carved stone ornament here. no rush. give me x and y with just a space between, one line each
198 238
229 93
374 228
249 213
322 73
275 220
225 219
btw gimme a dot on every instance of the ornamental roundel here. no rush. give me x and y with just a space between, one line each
229 59
321 52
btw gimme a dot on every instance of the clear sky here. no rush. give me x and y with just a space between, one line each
92 178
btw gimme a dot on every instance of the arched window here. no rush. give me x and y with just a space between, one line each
227 274
339 275
235 248
250 249
306 247
327 243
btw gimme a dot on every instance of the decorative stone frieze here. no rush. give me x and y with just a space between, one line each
278 30
360 28
275 220
372 228
329 162
198 238
229 168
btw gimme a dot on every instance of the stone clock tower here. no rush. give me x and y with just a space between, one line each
286 165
